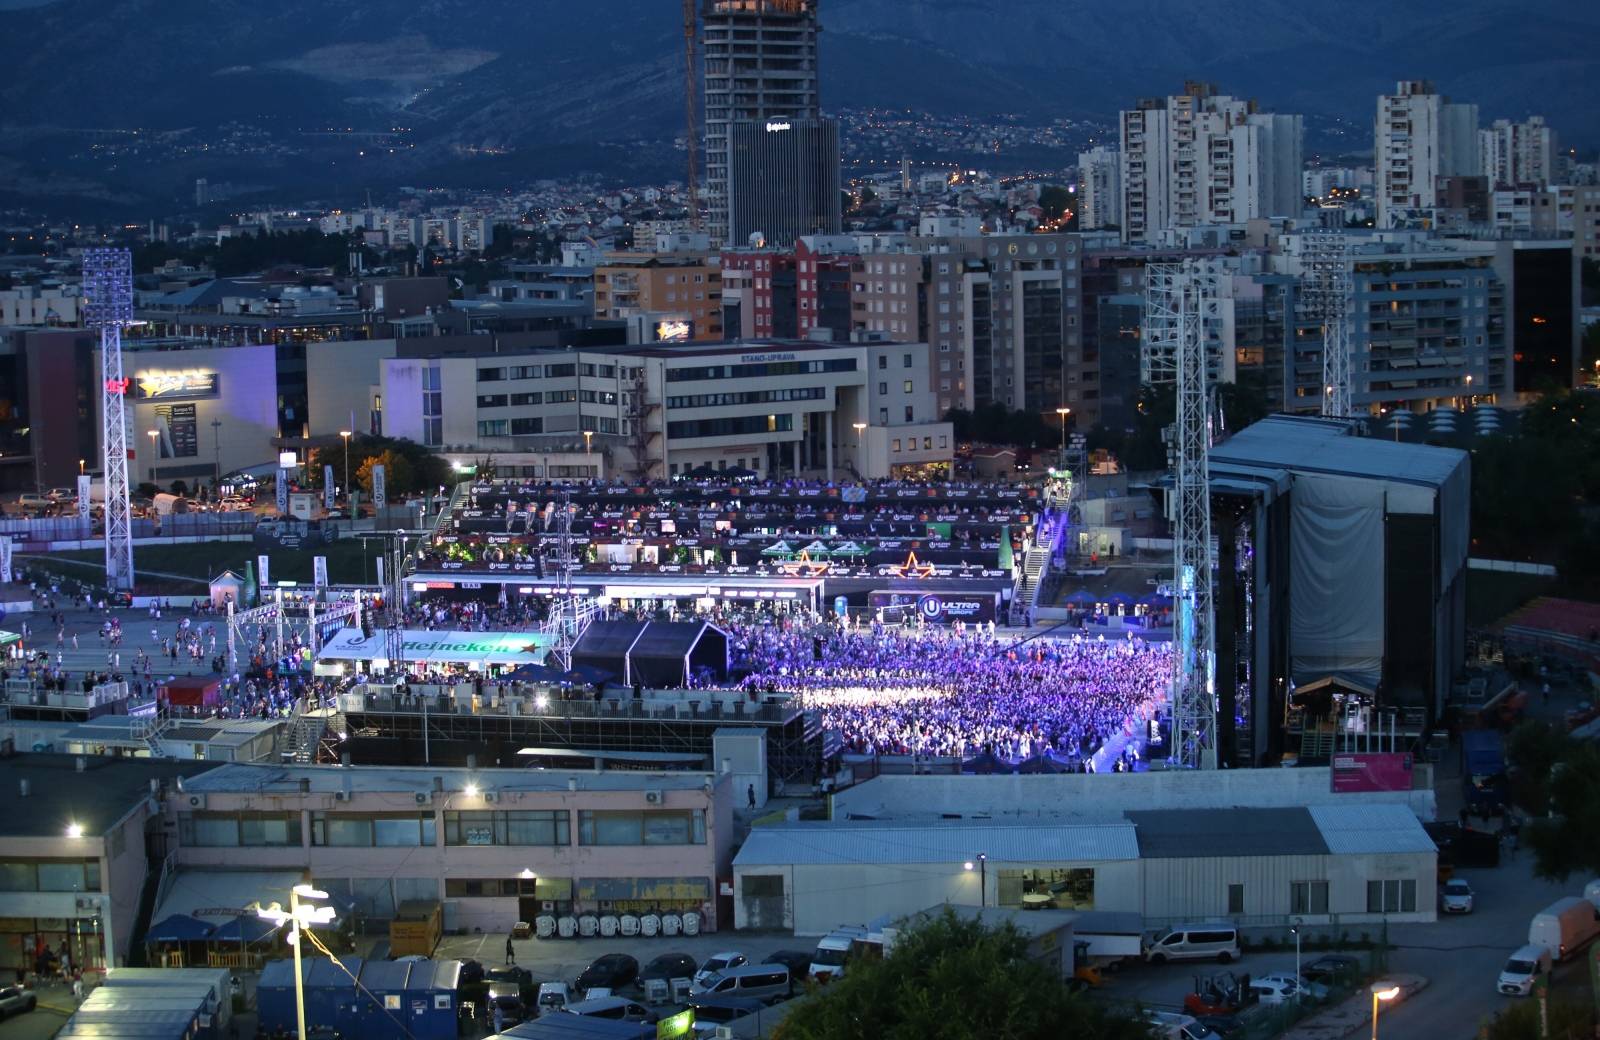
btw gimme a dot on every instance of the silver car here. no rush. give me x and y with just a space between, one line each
1456 897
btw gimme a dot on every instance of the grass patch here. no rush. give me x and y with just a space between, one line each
1491 595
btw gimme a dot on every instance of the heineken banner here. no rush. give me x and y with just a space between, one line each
319 571
380 496
85 506
283 492
328 488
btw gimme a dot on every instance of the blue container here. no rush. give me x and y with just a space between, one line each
431 1001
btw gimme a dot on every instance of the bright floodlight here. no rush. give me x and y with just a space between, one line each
1385 991
471 790
967 865
307 892
74 830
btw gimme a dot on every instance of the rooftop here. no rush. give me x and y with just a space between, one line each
239 778
814 844
1185 833
1311 445
95 798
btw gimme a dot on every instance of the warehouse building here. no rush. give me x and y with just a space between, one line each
1341 864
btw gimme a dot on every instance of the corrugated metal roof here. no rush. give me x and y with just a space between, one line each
1365 827
242 778
1200 833
937 843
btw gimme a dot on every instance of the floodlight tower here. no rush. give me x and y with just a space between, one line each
1325 265
1180 304
108 306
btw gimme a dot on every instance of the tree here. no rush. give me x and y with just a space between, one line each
397 476
953 977
423 470
1567 841
1533 749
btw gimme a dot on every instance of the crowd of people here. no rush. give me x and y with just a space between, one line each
960 691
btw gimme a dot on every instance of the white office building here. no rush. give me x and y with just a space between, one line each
1418 137
1518 154
1099 189
1206 158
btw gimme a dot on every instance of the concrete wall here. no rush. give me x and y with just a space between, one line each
339 381
1014 796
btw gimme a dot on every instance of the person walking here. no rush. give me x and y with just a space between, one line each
511 952
750 795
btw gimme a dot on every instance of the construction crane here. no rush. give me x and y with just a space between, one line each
691 111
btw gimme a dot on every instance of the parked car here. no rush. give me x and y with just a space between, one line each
669 966
1195 941
14 1000
719 962
619 1009
767 983
1333 968
553 996
797 961
508 999
1282 987
31 503
1228 1027
611 971
1456 897
510 975
471 971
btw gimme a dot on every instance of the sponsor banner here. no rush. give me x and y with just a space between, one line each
380 488
329 490
319 571
938 608
84 504
1377 771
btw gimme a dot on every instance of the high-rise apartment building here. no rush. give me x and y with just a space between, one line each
1517 154
1206 158
760 65
1099 189
783 181
1419 137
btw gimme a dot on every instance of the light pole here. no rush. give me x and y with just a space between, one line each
1063 412
1294 930
154 453
346 435
1381 991
216 441
588 441
860 428
983 877
300 916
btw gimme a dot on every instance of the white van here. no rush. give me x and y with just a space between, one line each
1523 970
1169 1025
1564 927
763 982
838 946
1217 939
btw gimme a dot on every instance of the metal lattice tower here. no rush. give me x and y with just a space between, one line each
1325 279
570 614
108 306
1185 298
394 636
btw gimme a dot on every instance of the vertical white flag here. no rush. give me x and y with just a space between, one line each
380 496
261 566
319 571
85 506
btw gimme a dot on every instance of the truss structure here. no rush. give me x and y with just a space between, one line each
1325 278
108 306
570 614
1182 301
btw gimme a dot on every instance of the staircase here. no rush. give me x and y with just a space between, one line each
155 875
1034 565
304 737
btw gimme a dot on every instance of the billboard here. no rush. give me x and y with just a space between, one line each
944 607
1375 771
169 386
674 330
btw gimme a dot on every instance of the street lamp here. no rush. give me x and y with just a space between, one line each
983 877
1299 984
301 916
346 435
80 466
1063 412
154 436
1381 991
588 440
860 428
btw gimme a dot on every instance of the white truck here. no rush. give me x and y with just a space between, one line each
841 945
1102 941
1564 927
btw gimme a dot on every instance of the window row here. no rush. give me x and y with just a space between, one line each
804 393
511 827
341 830
50 875
230 830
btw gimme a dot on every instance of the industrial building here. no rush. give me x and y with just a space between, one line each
1237 849
493 846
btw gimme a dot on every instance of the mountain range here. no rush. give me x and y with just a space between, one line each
516 89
